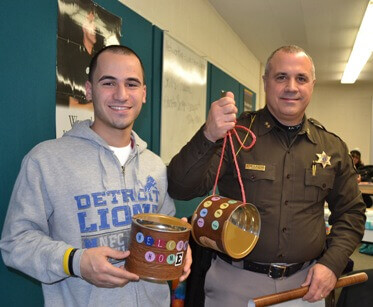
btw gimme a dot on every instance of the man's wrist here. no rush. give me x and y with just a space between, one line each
65 261
70 263
207 135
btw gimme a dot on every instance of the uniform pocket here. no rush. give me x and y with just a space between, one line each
258 180
317 187
255 172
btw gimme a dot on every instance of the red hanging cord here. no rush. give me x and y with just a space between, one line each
229 135
220 163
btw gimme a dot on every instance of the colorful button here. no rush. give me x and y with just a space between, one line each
171 245
218 213
149 240
179 245
215 225
161 258
139 237
215 198
200 222
207 203
224 206
203 212
232 201
160 243
186 245
149 256
171 259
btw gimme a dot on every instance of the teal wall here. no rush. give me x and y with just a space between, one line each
28 31
220 81
27 74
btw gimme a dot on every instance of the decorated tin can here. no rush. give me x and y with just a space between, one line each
158 246
226 225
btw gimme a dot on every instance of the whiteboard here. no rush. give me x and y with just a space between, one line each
183 110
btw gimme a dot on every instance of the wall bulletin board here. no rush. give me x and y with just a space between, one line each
183 110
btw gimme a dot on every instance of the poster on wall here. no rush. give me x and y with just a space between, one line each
83 28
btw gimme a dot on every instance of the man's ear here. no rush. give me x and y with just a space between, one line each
144 96
88 91
264 80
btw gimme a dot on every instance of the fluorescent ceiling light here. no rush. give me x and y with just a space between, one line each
362 49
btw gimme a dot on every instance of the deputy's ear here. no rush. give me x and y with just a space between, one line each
264 80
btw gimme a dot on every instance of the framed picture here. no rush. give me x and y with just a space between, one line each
248 100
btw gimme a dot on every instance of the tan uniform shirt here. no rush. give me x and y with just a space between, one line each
278 179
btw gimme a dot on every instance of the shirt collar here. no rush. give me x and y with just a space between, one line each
267 124
309 130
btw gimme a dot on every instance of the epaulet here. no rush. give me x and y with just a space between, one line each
320 126
316 123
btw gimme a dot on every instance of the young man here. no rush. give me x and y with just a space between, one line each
70 214
294 167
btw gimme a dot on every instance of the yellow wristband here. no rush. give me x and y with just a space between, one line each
66 261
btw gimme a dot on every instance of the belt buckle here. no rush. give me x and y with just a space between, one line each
277 271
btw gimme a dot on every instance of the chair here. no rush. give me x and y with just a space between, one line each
358 295
366 173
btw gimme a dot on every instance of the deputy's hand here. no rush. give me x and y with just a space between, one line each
221 117
321 280
188 261
97 270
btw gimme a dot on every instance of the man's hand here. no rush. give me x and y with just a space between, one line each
97 270
188 261
321 280
221 118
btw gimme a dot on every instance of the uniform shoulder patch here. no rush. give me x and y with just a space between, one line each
316 123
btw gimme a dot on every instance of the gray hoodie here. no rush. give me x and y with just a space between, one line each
73 192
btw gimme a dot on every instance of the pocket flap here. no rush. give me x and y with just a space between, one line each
259 172
323 179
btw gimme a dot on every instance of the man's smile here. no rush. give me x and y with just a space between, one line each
120 108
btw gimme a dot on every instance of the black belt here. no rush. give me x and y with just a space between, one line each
272 270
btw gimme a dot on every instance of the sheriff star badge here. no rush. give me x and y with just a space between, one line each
324 159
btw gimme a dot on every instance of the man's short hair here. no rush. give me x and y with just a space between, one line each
288 49
119 49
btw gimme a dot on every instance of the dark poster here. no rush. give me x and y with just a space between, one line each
83 28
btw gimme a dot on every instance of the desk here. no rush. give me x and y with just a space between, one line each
368 233
366 187
368 236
